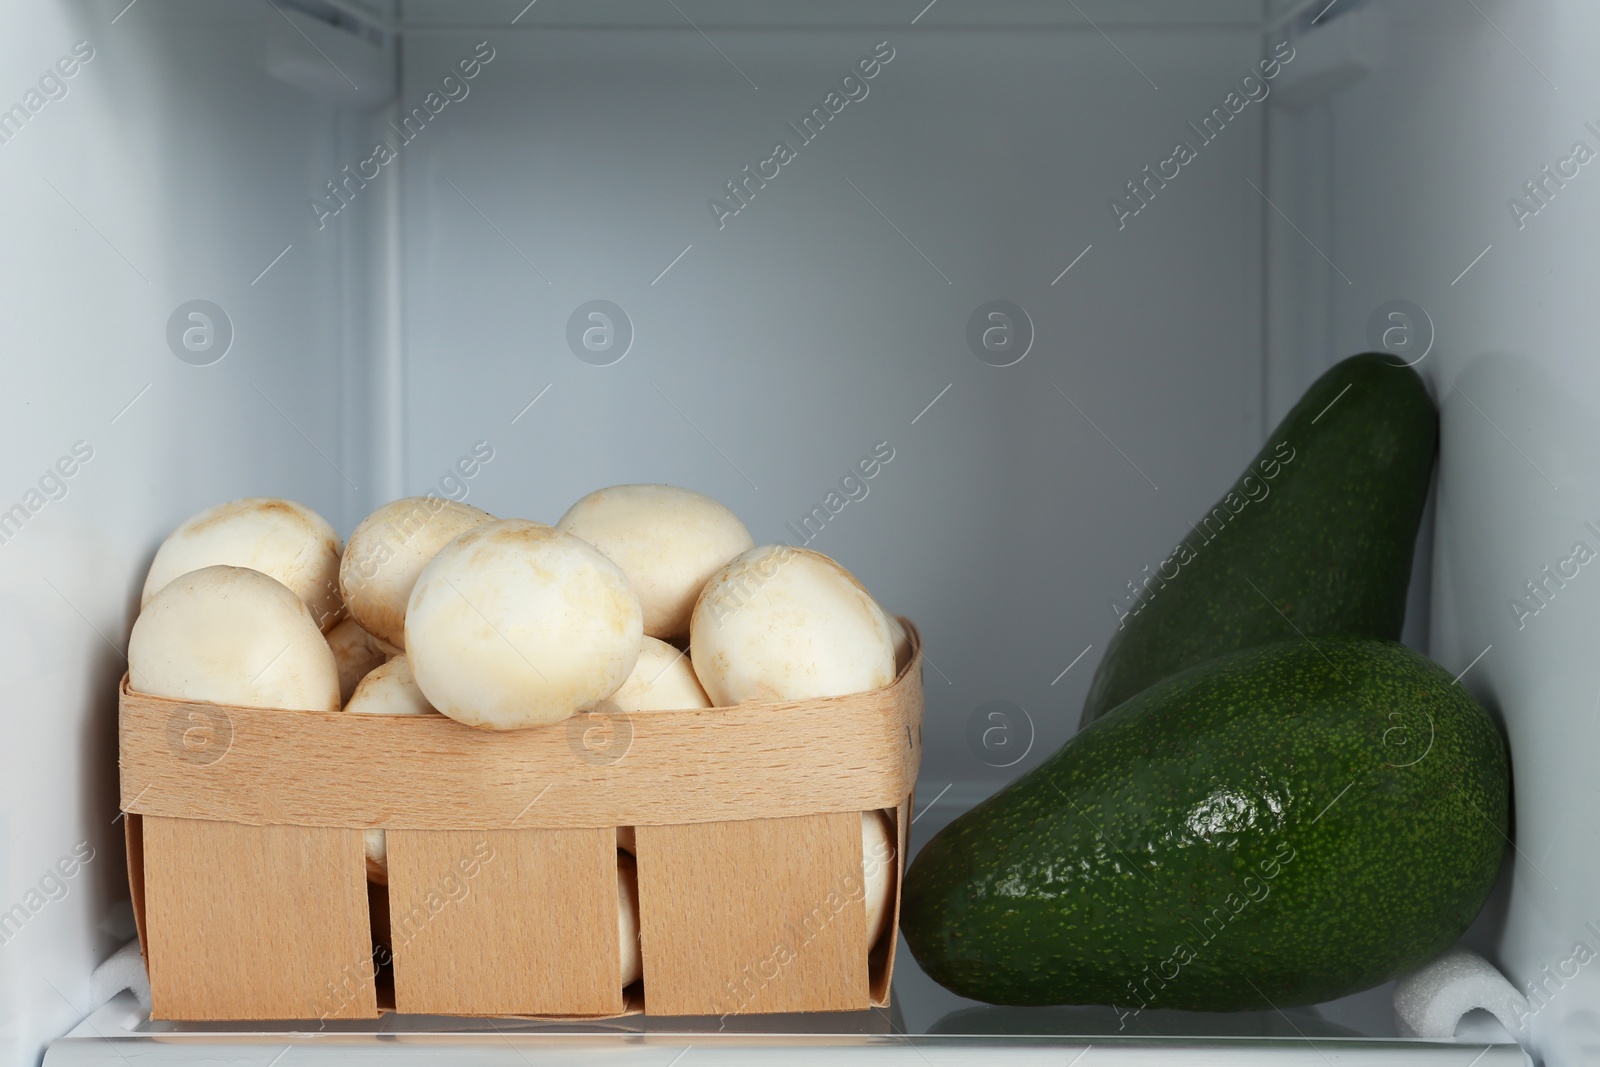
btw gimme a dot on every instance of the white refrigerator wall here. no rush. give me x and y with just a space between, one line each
773 352
1415 183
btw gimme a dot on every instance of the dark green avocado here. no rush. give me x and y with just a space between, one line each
1281 826
1314 538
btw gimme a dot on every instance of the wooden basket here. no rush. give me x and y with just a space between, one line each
248 874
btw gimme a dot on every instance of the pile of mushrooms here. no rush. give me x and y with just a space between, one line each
646 597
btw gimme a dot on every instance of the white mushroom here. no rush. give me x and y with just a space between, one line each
877 871
387 690
232 635
355 652
628 918
390 690
517 624
388 551
662 680
781 623
902 643
667 540
279 538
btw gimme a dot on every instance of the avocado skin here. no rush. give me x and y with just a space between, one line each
1329 545
1225 787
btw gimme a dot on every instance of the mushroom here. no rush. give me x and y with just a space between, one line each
390 690
279 538
387 690
877 871
388 551
662 680
667 540
355 652
780 623
232 635
628 919
902 643
517 624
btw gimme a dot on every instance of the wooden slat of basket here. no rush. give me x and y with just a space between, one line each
753 916
505 922
261 767
256 922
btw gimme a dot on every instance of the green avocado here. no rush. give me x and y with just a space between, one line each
1280 826
1314 538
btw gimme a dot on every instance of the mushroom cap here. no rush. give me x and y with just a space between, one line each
387 553
232 635
667 540
387 690
279 538
376 845
355 653
517 624
877 871
662 680
628 918
902 643
780 623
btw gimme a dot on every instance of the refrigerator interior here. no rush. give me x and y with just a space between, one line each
366 319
